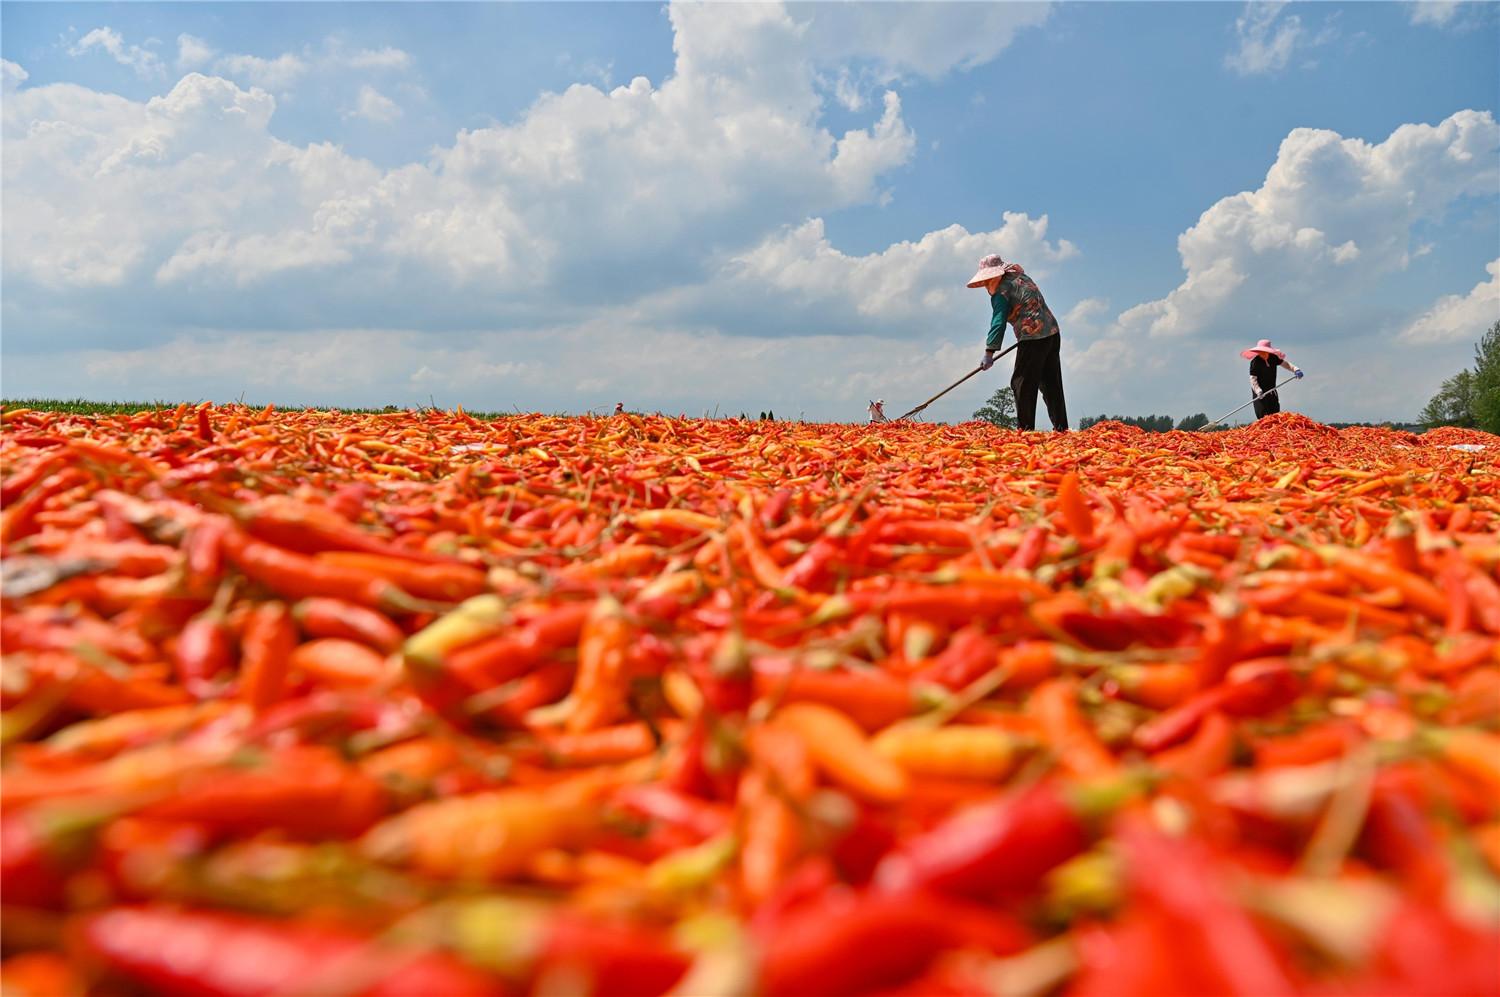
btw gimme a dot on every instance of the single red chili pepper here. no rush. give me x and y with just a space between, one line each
295 576
1208 753
49 630
871 699
1252 688
1002 847
21 481
610 958
1398 835
810 572
41 847
774 511
266 651
858 851
970 654
1133 956
311 529
1077 517
702 818
211 954
445 582
205 650
322 715
1424 948
513 653
327 617
1029 551
1319 742
205 430
18 519
848 943
1067 732
1179 880
302 791
546 684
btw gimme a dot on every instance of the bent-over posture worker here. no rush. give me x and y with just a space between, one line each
1015 298
1264 359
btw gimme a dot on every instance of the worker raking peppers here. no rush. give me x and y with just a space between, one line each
414 703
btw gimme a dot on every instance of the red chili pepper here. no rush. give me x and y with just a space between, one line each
1219 948
1074 508
1252 688
1423 948
997 848
224 955
39 849
1398 835
608 958
297 577
270 638
871 699
848 943
325 617
205 654
704 819
302 791
810 571
18 519
970 654
21 481
513 653
310 530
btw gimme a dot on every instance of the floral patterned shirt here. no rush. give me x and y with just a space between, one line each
1019 302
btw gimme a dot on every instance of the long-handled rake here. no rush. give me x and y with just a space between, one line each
955 384
1220 420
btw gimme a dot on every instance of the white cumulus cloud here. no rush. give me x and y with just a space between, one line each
1333 216
372 105
193 52
146 63
272 74
1435 12
1459 318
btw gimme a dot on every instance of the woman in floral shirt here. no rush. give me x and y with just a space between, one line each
1015 298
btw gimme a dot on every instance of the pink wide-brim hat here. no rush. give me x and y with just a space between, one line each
1264 346
989 268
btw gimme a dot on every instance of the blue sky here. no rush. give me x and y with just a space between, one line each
557 206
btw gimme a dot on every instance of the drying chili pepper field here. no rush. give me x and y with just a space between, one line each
412 703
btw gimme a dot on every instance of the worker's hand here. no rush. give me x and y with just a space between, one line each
1297 373
988 361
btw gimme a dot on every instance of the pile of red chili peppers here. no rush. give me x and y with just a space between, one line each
414 703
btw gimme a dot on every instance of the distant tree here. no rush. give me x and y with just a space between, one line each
1000 410
1470 398
1453 405
1487 381
771 415
1192 422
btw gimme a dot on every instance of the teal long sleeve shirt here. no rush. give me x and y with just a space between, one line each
1019 302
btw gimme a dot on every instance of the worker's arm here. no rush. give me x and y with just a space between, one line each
1297 371
1254 386
999 309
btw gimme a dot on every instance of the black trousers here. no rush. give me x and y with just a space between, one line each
1039 365
1267 404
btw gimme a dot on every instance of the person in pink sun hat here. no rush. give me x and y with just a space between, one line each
1015 298
1264 359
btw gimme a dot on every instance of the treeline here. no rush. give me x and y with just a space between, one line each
1150 423
1471 398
